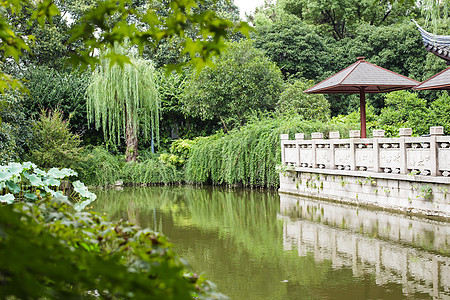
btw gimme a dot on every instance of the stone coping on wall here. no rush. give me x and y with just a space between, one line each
407 158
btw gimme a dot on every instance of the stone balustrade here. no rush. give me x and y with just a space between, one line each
407 155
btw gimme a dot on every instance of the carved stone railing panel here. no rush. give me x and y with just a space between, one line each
306 156
342 157
290 151
427 156
364 156
323 155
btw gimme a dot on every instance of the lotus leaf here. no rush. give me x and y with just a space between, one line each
31 196
82 205
15 168
69 172
34 180
52 181
8 198
56 173
12 187
40 172
5 175
27 165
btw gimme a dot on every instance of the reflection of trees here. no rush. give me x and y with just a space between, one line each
249 217
250 240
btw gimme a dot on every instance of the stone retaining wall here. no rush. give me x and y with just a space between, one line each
407 174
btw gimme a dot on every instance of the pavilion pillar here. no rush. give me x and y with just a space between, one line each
362 105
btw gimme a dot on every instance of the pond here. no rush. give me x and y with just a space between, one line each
261 245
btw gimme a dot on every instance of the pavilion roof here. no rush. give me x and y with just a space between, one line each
375 79
440 81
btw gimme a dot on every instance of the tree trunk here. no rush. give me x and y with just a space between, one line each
131 140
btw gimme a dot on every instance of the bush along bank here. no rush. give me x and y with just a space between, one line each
247 156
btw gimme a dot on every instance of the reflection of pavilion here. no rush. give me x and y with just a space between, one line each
389 246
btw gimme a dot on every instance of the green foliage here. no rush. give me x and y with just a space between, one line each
175 122
15 129
101 167
353 120
339 18
151 172
294 46
101 24
404 109
243 80
293 100
124 99
51 89
53 143
248 155
439 112
179 153
46 251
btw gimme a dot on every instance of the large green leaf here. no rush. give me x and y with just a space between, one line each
14 188
31 196
5 175
34 180
8 198
52 182
15 168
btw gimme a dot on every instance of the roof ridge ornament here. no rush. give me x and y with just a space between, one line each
359 58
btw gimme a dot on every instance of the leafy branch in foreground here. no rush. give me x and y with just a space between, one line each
49 251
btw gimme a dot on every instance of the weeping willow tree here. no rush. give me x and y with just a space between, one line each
123 100
436 12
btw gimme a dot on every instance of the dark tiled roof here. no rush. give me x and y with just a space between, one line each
440 81
363 74
436 44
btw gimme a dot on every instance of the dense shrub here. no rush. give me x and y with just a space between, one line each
439 113
293 100
53 143
404 109
150 172
100 167
179 153
103 168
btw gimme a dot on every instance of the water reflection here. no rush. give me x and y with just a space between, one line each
256 245
395 248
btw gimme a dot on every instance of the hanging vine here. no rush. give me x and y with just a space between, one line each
123 100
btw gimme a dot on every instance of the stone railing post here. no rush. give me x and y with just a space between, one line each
299 137
354 134
434 132
377 134
283 138
334 135
404 134
315 136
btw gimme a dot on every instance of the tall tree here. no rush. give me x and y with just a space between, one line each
124 100
243 80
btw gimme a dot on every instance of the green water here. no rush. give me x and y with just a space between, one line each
258 245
